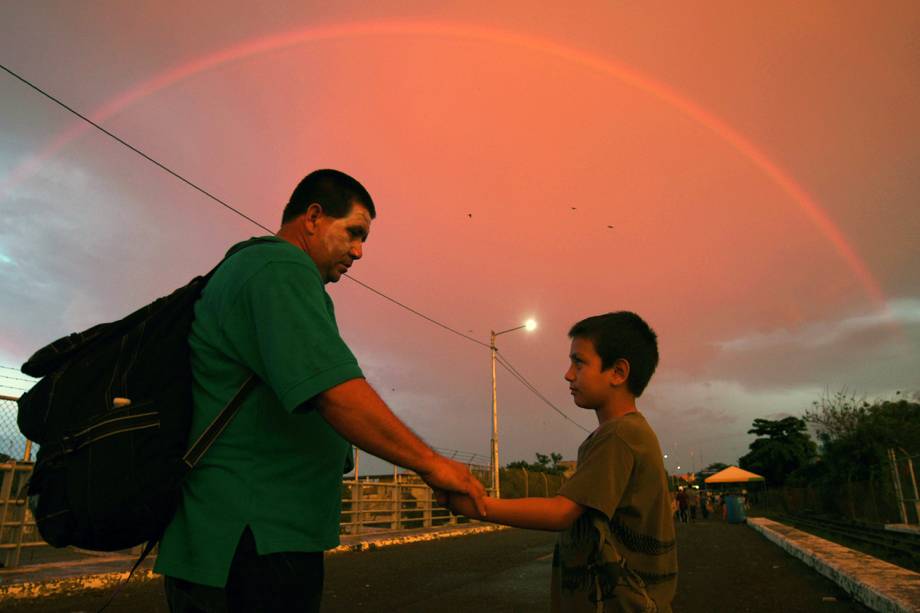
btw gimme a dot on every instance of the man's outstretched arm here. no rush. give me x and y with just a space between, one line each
555 514
360 415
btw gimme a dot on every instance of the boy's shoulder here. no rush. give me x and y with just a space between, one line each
627 427
630 431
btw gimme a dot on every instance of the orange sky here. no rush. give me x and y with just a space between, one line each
757 164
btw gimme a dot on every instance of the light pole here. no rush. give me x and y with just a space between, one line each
529 325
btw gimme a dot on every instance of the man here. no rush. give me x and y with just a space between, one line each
263 504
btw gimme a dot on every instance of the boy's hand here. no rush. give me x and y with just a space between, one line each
454 477
460 504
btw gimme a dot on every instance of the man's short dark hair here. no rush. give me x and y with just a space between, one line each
333 190
622 334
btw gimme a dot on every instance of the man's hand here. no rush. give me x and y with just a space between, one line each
459 504
454 477
357 412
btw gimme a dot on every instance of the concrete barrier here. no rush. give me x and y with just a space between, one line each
877 584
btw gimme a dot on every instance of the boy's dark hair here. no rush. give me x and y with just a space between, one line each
622 335
333 190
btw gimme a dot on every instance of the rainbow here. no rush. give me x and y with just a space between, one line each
623 73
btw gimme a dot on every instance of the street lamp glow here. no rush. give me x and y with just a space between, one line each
530 324
665 456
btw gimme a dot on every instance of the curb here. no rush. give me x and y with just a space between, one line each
405 539
70 585
877 584
70 581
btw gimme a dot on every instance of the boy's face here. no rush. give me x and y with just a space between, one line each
591 387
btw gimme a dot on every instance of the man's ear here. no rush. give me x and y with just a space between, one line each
311 216
619 372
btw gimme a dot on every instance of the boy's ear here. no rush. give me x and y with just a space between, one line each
619 371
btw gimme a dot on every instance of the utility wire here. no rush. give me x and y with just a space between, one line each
422 315
194 186
132 148
212 196
511 369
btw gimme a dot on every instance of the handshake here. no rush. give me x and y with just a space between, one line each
455 487
460 504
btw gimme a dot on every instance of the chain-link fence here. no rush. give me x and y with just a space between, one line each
888 496
13 444
523 483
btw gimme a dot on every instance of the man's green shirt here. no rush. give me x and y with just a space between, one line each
278 466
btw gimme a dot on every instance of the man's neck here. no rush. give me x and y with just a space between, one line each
295 238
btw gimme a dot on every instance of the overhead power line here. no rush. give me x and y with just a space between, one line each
514 372
132 148
196 187
422 315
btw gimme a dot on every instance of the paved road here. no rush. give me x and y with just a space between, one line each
723 568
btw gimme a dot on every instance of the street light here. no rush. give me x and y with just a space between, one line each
528 325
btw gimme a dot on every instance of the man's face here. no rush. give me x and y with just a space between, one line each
590 386
338 242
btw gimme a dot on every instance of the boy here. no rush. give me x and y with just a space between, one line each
616 548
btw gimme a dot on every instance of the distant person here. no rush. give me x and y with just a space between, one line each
616 548
683 503
693 499
704 504
263 504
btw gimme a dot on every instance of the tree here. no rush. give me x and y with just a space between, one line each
714 468
542 465
837 415
856 433
782 446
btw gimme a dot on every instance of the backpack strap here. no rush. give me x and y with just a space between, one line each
220 423
191 458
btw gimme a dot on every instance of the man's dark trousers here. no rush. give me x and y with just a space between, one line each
291 581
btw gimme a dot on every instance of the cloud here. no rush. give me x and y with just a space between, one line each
710 418
872 352
898 313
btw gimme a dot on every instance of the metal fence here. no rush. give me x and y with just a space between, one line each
370 504
13 445
522 483
17 526
889 496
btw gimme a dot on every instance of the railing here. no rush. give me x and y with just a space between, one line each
370 505
379 506
17 526
888 496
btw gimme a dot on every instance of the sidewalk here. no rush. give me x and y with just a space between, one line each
96 572
877 584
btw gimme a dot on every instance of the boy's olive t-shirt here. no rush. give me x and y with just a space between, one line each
620 555
278 466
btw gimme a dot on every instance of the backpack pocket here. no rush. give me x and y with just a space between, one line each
81 482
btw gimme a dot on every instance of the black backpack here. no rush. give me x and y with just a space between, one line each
112 415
